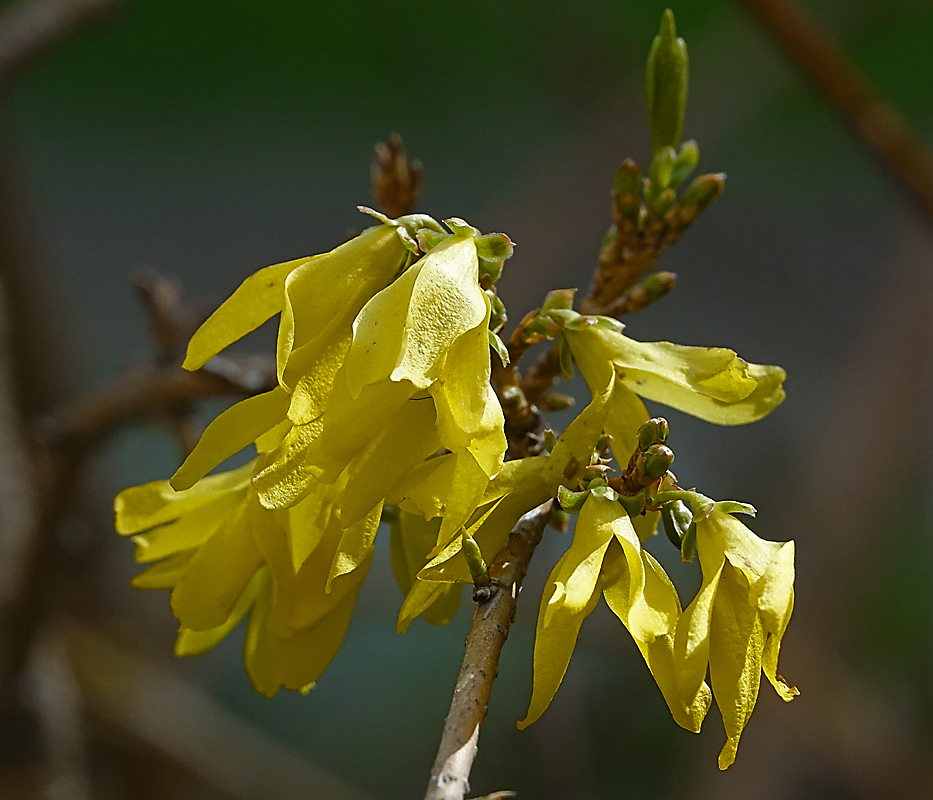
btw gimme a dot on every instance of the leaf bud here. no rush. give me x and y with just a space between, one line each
659 176
474 559
550 440
655 461
627 188
654 431
704 190
686 161
666 85
554 401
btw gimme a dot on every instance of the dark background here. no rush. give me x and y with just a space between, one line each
208 139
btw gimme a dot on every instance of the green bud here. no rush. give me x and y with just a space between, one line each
654 431
570 501
462 227
659 176
627 190
554 401
666 85
686 161
655 461
704 190
429 239
661 204
475 560
550 440
688 545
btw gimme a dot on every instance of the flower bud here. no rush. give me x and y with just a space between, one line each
686 161
655 461
654 431
666 85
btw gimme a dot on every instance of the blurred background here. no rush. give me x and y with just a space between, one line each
205 140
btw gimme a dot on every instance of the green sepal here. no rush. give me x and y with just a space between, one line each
462 227
676 517
429 239
666 77
570 501
549 441
558 299
566 359
735 507
491 270
604 491
499 346
494 247
688 544
633 506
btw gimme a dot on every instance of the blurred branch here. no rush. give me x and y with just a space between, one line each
396 182
148 708
31 28
876 123
488 632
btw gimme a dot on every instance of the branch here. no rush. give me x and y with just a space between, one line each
31 28
874 121
488 632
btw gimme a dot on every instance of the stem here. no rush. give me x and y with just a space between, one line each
491 620
877 124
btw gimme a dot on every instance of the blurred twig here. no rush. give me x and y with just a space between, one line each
876 123
395 181
31 28
488 632
148 708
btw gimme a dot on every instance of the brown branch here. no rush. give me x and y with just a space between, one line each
396 183
488 632
139 394
31 28
874 121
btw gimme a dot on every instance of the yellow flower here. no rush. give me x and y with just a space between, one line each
415 378
606 555
295 572
737 620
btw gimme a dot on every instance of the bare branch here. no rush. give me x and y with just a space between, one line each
874 121
488 632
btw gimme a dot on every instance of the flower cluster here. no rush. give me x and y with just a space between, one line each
384 410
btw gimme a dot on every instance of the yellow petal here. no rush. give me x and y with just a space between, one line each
356 545
325 294
194 643
257 650
186 533
306 523
736 646
140 508
289 476
409 327
408 438
219 571
165 574
259 297
466 491
570 594
692 636
436 602
712 383
311 372
234 429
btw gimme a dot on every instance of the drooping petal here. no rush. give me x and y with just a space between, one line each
658 652
692 636
164 574
712 383
194 643
140 508
324 295
187 532
406 331
232 430
736 645
355 548
219 572
570 594
258 298
412 537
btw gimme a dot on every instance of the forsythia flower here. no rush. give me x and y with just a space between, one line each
606 555
224 557
737 620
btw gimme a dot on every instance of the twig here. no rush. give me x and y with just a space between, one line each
876 123
395 181
31 28
136 395
488 632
